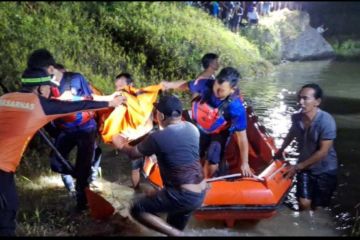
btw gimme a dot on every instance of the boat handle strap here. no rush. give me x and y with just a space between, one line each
233 176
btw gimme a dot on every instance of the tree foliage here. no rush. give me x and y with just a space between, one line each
151 40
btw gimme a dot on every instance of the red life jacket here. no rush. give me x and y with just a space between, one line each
210 119
77 119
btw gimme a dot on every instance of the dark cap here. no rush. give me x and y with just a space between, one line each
169 105
35 77
40 58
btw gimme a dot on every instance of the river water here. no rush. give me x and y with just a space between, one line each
274 100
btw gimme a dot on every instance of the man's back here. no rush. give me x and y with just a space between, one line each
177 151
177 143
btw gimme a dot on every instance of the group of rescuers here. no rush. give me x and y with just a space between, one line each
178 145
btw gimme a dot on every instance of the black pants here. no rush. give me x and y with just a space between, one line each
213 145
178 204
84 140
9 204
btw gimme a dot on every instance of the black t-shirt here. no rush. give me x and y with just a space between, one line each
177 150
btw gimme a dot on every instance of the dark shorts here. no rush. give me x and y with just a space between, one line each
178 204
213 145
318 188
137 163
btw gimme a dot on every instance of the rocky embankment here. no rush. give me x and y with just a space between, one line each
287 35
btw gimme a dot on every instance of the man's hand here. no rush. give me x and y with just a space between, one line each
166 85
245 170
120 141
153 158
117 101
293 169
66 96
290 172
116 94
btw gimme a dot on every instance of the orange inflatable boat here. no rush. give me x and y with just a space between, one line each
232 197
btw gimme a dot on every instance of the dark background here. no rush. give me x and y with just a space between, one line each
341 18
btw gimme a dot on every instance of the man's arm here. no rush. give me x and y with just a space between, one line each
181 85
52 107
122 144
325 146
288 139
243 145
105 97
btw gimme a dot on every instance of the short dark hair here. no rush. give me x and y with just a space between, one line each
207 59
129 79
59 66
41 58
318 91
229 74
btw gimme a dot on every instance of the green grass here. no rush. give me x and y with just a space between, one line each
346 48
151 40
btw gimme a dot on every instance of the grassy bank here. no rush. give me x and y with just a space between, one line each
347 48
152 40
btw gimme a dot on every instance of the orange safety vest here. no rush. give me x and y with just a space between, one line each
21 116
207 118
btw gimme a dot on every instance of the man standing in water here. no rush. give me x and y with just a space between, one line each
315 132
176 146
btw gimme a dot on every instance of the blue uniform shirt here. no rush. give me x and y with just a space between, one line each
79 86
235 110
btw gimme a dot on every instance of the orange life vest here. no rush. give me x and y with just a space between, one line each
21 116
207 118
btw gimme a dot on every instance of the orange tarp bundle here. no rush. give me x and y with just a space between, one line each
135 119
